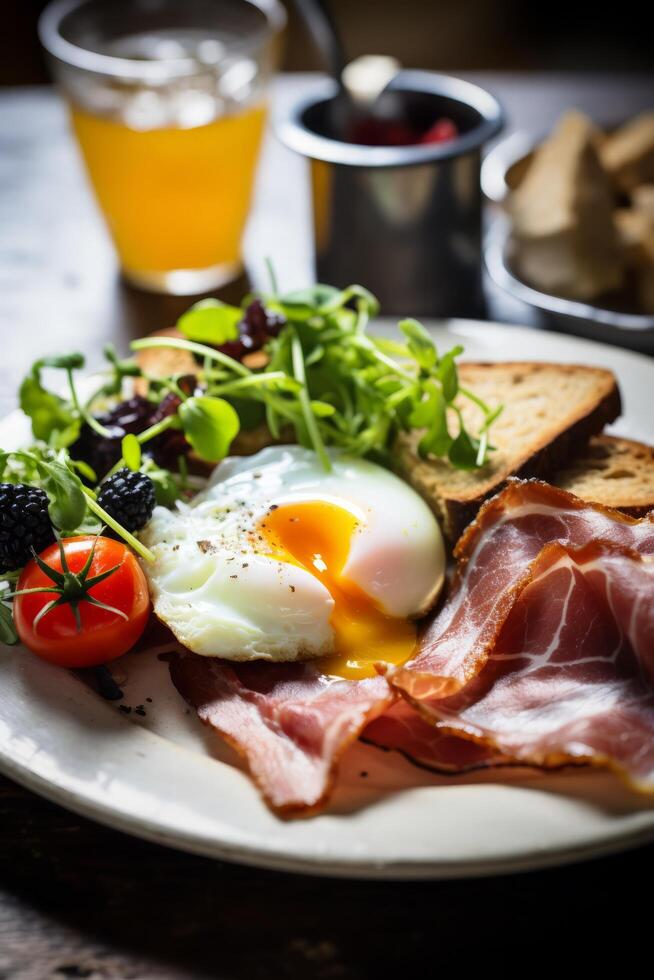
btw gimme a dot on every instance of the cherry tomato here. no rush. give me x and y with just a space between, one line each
102 635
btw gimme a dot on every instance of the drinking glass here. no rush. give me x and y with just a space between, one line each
168 101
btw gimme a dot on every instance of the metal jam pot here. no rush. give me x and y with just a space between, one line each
405 221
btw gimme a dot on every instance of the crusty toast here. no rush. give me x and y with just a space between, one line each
616 472
550 413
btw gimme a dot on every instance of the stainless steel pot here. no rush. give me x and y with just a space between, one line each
405 221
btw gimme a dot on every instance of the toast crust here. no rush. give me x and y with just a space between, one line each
614 472
535 436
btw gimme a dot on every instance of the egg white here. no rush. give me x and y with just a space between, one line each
221 598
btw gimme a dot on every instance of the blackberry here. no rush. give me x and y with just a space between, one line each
133 416
259 325
24 524
255 329
235 349
128 497
168 446
101 453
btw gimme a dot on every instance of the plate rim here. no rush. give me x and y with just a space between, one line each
127 820
327 867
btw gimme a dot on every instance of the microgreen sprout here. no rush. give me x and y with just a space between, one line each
336 385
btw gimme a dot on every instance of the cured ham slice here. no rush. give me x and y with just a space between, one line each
494 565
290 722
401 729
542 655
571 676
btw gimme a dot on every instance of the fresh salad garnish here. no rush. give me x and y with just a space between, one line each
327 379
300 365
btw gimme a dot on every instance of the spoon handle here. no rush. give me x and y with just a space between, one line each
319 21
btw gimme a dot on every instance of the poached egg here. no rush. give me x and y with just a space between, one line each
278 560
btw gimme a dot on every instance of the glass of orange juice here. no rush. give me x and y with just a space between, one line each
168 102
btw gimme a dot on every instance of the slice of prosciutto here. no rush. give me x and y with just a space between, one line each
495 555
290 722
571 676
401 729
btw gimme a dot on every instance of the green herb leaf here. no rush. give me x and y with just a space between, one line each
365 300
271 275
83 468
391 347
437 440
67 362
211 322
447 373
309 419
166 491
210 425
322 410
312 298
430 406
131 450
420 344
53 419
201 350
67 506
120 369
8 632
463 451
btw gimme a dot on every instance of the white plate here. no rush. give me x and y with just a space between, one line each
163 777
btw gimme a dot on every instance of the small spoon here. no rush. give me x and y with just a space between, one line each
367 78
319 21
361 82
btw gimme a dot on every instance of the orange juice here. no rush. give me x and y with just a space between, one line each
174 198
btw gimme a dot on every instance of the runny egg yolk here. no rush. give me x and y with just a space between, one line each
317 535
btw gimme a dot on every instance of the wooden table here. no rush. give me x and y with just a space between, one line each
78 900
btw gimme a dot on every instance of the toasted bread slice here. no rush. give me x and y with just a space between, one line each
550 413
616 472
